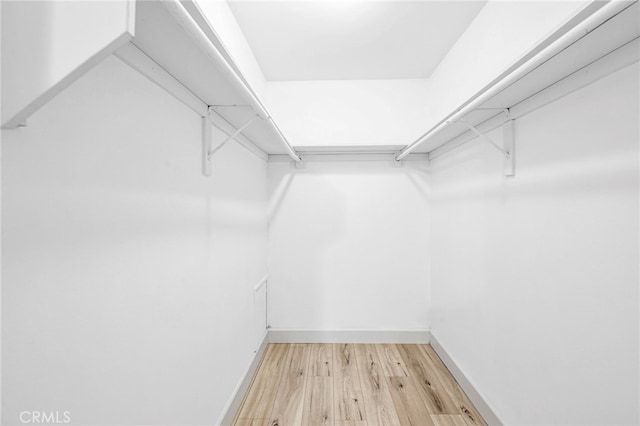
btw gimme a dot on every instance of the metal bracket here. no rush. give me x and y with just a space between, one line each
216 107
508 141
207 141
232 136
505 111
483 136
300 164
207 150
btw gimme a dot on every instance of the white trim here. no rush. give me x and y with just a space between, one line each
349 153
481 404
349 149
347 156
235 401
348 336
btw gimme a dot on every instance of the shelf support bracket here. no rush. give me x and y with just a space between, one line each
207 142
232 136
508 143
300 164
483 136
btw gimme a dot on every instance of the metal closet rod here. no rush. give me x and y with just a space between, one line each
607 11
197 35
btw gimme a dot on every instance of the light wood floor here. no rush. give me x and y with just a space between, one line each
354 385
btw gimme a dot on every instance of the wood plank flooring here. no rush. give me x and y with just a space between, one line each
354 385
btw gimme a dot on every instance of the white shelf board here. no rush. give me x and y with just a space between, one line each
599 53
161 38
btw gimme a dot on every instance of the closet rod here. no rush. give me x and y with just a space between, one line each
597 18
197 35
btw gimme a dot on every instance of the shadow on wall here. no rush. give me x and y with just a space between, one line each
474 172
338 232
125 272
309 239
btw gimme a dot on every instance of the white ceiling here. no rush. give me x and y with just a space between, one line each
352 40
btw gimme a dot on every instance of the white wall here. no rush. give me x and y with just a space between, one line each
535 278
127 276
397 112
354 112
348 246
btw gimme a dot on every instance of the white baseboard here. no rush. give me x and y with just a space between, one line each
236 399
478 401
348 336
